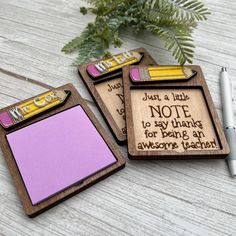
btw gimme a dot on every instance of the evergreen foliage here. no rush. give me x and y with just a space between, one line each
171 20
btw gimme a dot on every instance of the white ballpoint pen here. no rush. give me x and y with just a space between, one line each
228 117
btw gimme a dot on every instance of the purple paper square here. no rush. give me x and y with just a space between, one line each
58 152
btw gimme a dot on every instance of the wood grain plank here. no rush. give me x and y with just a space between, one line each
147 198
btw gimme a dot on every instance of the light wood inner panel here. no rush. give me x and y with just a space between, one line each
172 119
112 95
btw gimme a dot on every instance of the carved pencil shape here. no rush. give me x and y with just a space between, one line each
114 63
33 107
161 73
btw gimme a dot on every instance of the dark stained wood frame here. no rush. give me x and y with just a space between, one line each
198 81
73 100
90 84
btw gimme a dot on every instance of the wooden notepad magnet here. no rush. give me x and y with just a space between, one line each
170 114
55 147
103 79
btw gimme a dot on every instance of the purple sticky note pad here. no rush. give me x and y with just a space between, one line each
58 152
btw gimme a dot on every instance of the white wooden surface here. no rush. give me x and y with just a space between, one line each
146 198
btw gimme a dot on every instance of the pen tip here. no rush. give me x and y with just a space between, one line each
223 69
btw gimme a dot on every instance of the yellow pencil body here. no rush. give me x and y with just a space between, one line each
113 63
39 104
161 73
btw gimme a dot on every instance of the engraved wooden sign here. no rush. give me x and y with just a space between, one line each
172 120
103 79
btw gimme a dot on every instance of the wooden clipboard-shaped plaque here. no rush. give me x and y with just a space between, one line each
170 114
55 147
103 79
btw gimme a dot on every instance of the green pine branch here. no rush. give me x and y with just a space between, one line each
171 20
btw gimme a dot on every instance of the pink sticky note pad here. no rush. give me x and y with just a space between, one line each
58 152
